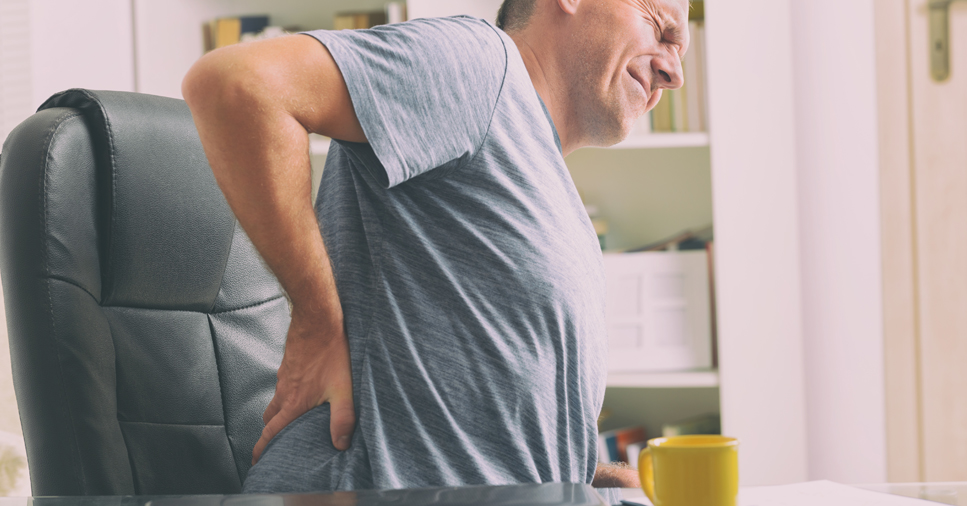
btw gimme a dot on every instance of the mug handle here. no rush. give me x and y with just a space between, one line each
646 473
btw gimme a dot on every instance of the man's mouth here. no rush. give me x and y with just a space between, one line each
640 79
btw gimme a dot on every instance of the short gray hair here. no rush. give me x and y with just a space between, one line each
514 14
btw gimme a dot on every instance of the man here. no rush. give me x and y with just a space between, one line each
447 322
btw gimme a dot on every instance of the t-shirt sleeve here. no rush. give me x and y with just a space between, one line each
424 91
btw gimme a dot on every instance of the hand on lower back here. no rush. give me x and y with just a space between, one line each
315 369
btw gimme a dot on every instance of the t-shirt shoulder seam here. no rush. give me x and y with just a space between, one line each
493 112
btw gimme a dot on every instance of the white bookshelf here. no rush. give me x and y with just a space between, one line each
319 145
664 140
681 379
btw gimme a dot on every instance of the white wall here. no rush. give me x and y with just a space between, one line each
838 187
15 105
15 89
47 46
80 44
754 194
486 9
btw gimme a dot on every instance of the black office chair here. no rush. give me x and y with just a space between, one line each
144 330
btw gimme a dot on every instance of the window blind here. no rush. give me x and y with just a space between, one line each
15 82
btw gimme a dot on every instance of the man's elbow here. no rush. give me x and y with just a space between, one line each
230 80
209 83
195 84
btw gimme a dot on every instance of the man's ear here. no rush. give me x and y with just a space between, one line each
569 6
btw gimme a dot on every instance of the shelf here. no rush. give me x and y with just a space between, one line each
664 140
683 379
319 145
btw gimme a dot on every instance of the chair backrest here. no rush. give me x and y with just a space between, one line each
145 332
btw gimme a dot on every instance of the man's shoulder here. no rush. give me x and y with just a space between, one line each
470 37
458 25
441 43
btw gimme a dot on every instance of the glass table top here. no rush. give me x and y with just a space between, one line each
954 493
944 493
549 494
545 494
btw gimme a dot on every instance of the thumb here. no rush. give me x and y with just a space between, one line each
342 420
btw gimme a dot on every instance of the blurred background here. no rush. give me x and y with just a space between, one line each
801 205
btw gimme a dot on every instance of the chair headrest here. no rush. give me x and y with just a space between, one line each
164 228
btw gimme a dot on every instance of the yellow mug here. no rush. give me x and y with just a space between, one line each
690 470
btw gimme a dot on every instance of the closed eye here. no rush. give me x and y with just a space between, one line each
673 36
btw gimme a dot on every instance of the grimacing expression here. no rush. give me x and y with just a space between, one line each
626 53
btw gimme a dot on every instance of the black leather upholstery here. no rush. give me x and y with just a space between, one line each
144 330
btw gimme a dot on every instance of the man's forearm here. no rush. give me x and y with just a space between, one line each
616 475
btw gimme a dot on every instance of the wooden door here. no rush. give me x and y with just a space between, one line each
924 197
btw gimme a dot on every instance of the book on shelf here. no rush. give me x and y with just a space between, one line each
661 115
696 10
703 424
226 31
677 106
358 20
694 89
685 240
395 12
613 444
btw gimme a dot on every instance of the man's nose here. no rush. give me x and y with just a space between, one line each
668 71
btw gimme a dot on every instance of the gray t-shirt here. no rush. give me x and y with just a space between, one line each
469 273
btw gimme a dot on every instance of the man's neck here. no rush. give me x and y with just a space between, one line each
541 69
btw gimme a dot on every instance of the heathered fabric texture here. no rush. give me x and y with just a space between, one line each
469 273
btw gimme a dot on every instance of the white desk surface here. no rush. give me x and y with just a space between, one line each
954 493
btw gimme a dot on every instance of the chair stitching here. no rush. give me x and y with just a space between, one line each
50 299
72 283
173 424
228 259
221 394
273 299
109 135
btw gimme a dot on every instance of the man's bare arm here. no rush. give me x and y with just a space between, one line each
253 105
618 475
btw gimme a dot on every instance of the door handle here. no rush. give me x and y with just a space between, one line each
939 38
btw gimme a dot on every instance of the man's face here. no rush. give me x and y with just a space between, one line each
625 53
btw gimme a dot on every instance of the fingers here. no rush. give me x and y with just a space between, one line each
259 446
342 420
276 424
273 409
